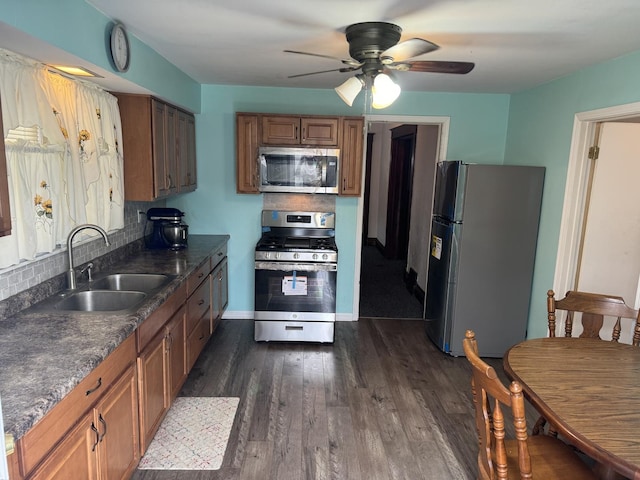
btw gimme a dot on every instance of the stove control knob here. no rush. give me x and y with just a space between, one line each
277 255
315 256
325 256
296 256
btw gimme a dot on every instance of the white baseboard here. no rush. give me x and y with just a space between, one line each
244 315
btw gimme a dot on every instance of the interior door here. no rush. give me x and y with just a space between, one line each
610 259
403 141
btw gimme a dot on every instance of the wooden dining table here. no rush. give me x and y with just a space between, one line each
589 389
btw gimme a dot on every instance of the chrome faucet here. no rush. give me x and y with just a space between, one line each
71 274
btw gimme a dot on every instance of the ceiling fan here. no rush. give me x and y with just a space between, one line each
374 49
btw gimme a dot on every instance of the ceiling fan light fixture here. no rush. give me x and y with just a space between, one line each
384 91
350 89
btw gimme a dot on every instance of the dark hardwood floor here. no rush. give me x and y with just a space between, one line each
380 403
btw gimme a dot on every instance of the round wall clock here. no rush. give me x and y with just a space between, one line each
120 53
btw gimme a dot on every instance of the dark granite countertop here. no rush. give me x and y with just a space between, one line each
43 357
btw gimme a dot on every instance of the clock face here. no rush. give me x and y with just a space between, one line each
120 48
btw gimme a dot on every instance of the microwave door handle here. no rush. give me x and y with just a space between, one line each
324 172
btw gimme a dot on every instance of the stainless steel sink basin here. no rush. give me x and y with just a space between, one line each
141 282
100 300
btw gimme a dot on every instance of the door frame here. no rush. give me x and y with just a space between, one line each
443 124
575 194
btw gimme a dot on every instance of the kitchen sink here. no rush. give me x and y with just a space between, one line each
141 282
100 300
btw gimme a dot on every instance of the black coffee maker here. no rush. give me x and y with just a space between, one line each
167 229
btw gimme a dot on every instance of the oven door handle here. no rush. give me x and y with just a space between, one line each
299 267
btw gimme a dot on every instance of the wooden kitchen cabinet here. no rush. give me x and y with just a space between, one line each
198 311
298 130
247 141
187 152
219 292
161 370
159 148
254 130
103 444
176 353
351 151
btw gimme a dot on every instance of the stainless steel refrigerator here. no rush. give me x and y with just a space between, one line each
483 242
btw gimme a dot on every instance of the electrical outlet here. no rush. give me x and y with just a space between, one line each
141 213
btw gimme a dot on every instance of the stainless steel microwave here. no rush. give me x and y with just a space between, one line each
299 170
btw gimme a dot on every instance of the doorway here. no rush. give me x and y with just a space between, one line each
391 270
589 226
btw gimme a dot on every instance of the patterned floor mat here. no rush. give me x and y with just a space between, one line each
193 435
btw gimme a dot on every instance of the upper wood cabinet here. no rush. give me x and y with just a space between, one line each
187 152
247 142
159 148
5 212
351 151
254 130
298 130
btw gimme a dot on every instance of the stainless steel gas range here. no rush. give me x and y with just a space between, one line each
296 264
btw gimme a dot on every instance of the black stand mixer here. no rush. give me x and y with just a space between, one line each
168 231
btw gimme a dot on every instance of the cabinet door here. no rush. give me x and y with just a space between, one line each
116 418
186 151
176 351
319 131
75 456
171 149
247 153
5 212
219 293
351 156
159 141
151 387
197 340
280 130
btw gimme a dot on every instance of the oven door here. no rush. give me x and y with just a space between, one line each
295 291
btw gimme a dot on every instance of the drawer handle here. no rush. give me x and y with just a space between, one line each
219 254
93 427
104 424
201 275
292 327
89 392
201 337
201 302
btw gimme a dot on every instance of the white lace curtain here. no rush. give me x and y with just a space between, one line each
63 142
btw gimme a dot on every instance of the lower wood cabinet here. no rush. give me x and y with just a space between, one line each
219 292
100 430
161 372
104 444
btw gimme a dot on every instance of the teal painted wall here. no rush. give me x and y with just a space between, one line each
540 131
78 28
531 127
477 133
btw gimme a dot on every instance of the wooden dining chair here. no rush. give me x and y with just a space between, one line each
523 457
593 307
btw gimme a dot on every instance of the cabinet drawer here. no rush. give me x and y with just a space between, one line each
218 256
196 341
49 430
199 304
197 277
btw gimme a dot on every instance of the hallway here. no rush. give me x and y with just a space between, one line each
383 293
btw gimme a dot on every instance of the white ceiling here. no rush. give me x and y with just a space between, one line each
515 44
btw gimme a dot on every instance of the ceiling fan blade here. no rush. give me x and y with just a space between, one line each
343 69
433 67
351 62
407 49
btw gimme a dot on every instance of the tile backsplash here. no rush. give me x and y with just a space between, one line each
25 275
